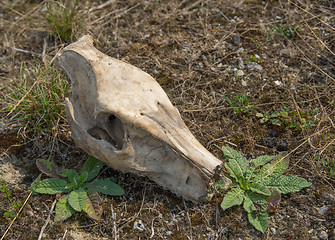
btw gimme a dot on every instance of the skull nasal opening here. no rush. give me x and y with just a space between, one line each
110 129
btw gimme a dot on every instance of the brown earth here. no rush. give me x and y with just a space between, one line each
221 63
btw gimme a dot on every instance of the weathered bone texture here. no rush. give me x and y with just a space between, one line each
122 116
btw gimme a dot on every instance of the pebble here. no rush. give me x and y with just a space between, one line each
244 83
240 62
322 210
239 73
323 235
255 66
273 230
139 226
236 40
278 83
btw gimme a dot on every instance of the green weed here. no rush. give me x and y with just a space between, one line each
327 165
285 117
258 185
283 30
15 205
240 104
79 192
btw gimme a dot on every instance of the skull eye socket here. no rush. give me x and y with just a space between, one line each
111 130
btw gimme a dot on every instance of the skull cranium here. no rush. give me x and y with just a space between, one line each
121 115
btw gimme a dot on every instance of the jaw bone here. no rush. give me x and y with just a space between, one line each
122 116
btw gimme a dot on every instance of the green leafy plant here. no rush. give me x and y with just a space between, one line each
79 192
240 104
15 205
258 185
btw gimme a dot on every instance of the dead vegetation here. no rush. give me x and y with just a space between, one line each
255 75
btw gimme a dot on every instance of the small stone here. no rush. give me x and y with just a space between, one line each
244 83
139 226
236 40
323 209
219 65
273 230
278 83
323 235
239 73
168 233
240 62
201 64
255 66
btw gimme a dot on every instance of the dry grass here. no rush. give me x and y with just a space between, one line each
191 48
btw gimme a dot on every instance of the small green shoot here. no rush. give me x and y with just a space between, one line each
258 185
14 204
79 192
240 104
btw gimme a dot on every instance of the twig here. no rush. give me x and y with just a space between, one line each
114 223
10 225
25 95
189 219
48 219
101 6
21 50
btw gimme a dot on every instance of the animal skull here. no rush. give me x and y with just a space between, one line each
122 116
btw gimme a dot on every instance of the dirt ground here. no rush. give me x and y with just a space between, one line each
222 64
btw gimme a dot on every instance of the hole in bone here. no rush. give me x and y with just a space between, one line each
114 132
115 129
187 180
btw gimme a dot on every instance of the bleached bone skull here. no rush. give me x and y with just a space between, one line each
120 115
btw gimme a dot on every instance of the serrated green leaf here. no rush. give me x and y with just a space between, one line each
63 210
287 184
259 188
72 176
232 198
93 205
105 186
257 213
248 204
77 199
274 168
83 178
259 115
93 166
50 186
233 154
261 160
250 199
48 168
234 169
259 221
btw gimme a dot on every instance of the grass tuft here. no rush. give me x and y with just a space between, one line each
36 99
